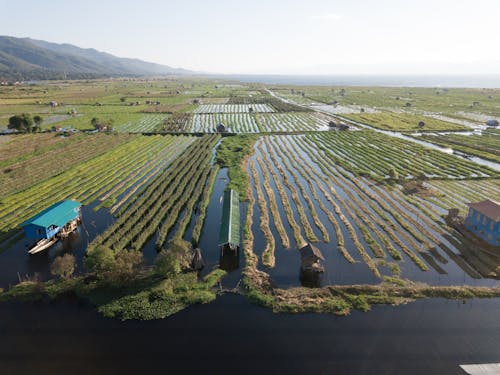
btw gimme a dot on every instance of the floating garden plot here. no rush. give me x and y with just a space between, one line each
112 178
373 154
233 108
168 202
146 124
301 196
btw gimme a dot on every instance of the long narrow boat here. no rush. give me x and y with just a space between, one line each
42 245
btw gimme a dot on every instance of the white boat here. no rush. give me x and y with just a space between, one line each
42 245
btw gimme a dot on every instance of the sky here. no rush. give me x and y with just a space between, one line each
275 36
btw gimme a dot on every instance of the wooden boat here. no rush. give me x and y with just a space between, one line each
42 245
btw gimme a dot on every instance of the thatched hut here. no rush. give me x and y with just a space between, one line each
421 124
310 257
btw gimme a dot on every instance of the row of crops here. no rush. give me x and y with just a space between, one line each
302 197
374 154
145 124
485 145
112 179
28 159
456 194
293 121
233 108
404 122
168 203
235 122
258 122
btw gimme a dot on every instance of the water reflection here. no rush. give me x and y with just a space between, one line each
310 279
229 260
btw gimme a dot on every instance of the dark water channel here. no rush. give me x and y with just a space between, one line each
231 335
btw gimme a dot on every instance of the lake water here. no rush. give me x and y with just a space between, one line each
408 80
231 335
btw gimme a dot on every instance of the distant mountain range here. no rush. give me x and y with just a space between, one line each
30 59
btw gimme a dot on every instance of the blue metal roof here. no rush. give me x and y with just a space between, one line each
58 214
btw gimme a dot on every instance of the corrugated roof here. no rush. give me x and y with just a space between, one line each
58 214
230 226
488 208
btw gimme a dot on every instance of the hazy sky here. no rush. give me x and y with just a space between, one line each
268 36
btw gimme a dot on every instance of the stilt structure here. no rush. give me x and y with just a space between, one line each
57 221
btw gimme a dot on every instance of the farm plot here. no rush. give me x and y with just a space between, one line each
292 121
177 122
233 108
167 204
111 178
485 145
235 122
456 194
302 197
145 124
404 122
28 159
369 153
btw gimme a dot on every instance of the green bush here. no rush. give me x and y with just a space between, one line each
63 266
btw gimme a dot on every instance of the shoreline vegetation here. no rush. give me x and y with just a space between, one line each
120 286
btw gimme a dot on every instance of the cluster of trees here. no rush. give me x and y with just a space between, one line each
118 268
115 267
63 266
102 125
24 123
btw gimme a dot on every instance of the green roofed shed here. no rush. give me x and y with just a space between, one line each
229 235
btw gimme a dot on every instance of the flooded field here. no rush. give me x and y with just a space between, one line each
363 230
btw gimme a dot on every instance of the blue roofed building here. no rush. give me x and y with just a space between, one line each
52 220
483 219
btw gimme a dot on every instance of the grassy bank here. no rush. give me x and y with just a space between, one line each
147 296
232 154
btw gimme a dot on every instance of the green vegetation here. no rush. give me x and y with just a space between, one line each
120 287
26 160
456 102
363 197
232 154
158 207
137 160
23 123
404 122
372 154
486 145
63 266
